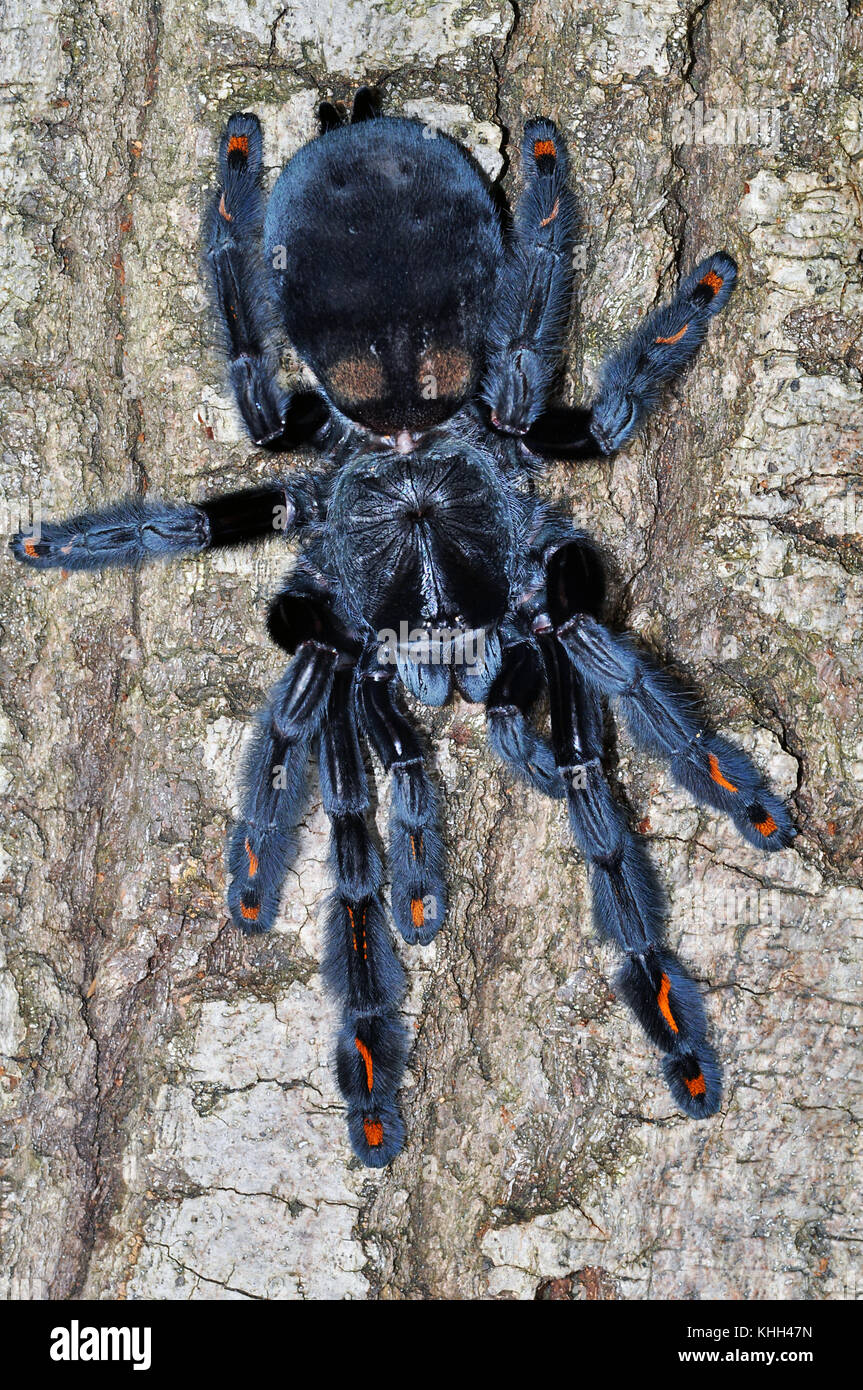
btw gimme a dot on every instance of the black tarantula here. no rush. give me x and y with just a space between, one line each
427 559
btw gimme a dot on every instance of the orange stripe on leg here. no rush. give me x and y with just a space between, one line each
418 913
253 860
240 143
362 929
697 1086
250 913
552 215
367 1058
712 281
374 1132
675 339
766 826
544 147
662 1001
716 774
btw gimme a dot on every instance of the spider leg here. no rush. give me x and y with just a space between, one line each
360 965
416 847
241 284
330 116
262 842
564 432
628 905
662 718
632 378
135 531
533 292
366 105
510 733
274 774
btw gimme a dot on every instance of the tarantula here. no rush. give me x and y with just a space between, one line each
427 559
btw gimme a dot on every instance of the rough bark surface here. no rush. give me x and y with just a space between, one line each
170 1123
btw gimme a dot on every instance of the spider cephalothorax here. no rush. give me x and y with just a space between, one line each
427 560
409 537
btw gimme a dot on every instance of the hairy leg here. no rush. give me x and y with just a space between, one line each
135 531
242 292
521 681
662 718
360 965
628 904
415 844
263 841
632 378
659 715
274 773
533 292
510 732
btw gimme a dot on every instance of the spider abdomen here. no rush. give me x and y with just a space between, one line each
384 242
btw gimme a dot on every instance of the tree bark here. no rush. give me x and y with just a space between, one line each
170 1122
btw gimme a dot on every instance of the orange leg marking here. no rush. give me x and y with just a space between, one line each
30 549
662 1001
675 339
766 827
541 147
239 142
717 775
253 860
362 930
374 1132
712 280
367 1058
416 846
697 1086
250 913
224 211
552 215
418 914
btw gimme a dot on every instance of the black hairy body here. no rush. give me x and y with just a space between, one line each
427 558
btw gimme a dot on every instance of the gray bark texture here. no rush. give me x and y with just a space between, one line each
170 1122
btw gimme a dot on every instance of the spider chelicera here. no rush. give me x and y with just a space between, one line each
426 558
